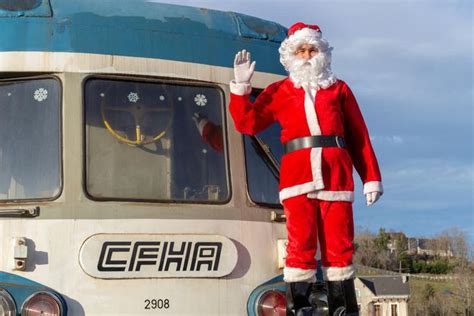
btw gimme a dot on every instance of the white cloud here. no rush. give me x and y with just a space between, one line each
430 180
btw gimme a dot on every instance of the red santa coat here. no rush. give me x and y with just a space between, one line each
322 173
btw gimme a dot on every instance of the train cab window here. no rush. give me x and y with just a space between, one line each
30 148
261 181
154 141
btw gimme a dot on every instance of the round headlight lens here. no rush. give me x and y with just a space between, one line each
41 304
272 303
7 305
19 5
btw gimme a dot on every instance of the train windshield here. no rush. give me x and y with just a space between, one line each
30 123
155 141
262 183
261 178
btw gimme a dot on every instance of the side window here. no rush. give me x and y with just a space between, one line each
154 141
377 310
262 184
30 139
393 309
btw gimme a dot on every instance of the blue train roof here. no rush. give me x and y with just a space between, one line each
139 28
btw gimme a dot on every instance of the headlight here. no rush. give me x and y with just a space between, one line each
271 303
41 304
7 305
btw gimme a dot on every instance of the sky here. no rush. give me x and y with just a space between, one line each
410 65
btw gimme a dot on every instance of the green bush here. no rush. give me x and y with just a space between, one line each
439 266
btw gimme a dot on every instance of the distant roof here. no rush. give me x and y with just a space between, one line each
396 234
141 28
386 285
424 243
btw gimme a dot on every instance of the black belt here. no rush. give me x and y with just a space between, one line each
313 141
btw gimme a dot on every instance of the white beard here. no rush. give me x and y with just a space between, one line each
313 73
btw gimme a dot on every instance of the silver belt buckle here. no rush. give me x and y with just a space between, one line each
337 142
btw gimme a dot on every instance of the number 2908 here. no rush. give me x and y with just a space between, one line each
157 303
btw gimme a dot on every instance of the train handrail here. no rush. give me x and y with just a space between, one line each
20 212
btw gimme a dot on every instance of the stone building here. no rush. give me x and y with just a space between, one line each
383 295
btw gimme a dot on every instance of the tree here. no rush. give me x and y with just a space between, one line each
372 250
381 242
465 284
402 258
452 242
365 253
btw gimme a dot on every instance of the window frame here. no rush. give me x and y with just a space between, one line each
397 310
159 80
380 313
12 78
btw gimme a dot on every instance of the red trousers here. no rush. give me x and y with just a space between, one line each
308 220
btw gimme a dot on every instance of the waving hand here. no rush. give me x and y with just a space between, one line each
243 67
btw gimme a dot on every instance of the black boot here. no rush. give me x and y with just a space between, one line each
297 303
319 298
342 298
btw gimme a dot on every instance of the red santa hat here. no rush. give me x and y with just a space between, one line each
301 31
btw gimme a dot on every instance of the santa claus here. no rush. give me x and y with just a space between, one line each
210 133
324 135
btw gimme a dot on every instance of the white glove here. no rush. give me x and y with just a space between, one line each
243 69
198 117
200 120
372 197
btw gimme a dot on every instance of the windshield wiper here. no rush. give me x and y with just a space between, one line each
264 151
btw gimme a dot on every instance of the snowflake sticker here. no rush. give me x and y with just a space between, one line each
180 99
102 95
133 97
9 94
162 97
200 99
41 94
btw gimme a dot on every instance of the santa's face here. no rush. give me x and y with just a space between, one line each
306 51
308 66
307 58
